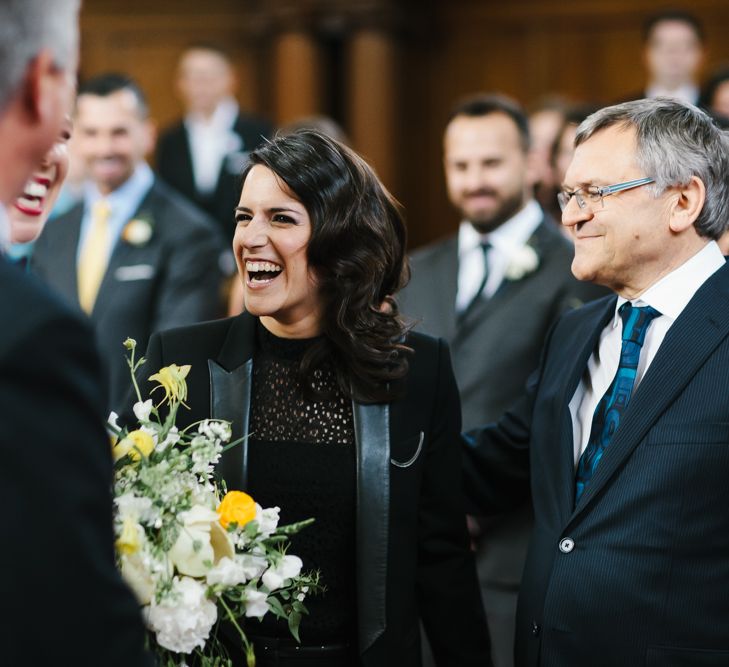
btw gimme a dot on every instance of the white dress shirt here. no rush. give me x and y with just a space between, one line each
505 240
688 93
211 140
669 296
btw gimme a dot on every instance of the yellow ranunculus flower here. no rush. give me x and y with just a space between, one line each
137 444
128 542
172 379
237 507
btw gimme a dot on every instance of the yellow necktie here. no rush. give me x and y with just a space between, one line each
94 255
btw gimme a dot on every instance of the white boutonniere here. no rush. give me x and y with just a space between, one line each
522 261
137 232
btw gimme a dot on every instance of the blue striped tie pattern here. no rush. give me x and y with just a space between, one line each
615 400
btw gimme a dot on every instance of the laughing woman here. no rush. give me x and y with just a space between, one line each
348 418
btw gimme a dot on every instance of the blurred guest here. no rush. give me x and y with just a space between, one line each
545 121
492 292
135 255
348 417
673 52
30 211
203 155
61 599
715 95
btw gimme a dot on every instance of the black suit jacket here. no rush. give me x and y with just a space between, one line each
644 580
172 279
412 553
174 165
63 601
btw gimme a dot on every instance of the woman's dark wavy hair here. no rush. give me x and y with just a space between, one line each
357 254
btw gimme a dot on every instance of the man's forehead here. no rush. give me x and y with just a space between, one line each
610 152
474 135
102 107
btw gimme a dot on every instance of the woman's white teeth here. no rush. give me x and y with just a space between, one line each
254 267
34 189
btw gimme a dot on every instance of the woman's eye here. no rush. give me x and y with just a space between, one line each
283 218
242 218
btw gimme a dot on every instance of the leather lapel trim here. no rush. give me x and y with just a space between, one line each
230 399
372 437
697 332
230 395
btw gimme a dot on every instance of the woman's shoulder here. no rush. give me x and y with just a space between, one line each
421 342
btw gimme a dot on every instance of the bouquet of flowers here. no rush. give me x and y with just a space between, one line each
192 553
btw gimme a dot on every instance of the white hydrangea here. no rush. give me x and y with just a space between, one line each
228 572
182 621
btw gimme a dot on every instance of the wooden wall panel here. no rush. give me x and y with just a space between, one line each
589 50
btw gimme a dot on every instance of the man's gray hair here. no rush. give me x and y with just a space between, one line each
676 141
27 27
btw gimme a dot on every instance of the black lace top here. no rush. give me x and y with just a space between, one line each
302 458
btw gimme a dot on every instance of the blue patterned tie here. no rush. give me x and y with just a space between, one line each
612 405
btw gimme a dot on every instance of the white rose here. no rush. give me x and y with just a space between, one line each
201 541
286 568
522 261
256 605
142 410
183 620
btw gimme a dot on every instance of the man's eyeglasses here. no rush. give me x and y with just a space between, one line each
595 193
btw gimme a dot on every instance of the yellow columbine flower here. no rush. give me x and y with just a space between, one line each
128 542
237 507
137 444
172 379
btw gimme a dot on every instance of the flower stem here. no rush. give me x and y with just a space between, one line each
250 656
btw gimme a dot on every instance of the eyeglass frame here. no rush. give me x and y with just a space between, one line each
564 196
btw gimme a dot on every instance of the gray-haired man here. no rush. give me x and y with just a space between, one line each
61 600
624 432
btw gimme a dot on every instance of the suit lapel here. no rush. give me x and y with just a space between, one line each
63 254
230 396
372 437
692 338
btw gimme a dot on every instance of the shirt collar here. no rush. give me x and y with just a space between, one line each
133 189
671 294
223 117
515 232
686 93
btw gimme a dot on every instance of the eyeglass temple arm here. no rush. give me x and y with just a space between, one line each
610 189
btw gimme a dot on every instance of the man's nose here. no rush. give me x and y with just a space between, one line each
572 214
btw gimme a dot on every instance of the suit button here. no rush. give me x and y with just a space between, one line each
566 545
535 629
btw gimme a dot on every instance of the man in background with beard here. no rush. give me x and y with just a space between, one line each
493 291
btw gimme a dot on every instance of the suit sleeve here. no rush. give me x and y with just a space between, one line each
190 287
58 555
449 595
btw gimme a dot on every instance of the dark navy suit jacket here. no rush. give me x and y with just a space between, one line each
638 572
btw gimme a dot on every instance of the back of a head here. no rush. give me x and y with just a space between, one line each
26 28
675 142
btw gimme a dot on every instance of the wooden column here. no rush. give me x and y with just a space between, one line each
297 85
371 100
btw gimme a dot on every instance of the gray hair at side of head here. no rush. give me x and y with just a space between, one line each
26 28
676 141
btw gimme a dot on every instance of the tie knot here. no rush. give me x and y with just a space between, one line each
636 320
101 210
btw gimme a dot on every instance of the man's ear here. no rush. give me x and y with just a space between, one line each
688 205
39 83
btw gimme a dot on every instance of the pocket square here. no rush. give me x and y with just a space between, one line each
134 272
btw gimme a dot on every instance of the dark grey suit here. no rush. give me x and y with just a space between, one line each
172 279
494 348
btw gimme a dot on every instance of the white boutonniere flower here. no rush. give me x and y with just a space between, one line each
522 261
137 232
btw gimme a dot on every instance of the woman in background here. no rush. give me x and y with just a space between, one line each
348 418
